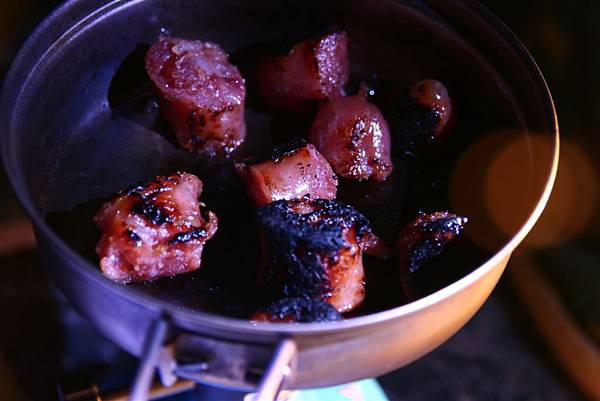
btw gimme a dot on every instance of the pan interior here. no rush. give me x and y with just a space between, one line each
97 131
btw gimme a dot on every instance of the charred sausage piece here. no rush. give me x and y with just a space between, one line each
200 94
297 310
423 115
294 170
312 73
313 249
432 95
154 230
354 137
424 239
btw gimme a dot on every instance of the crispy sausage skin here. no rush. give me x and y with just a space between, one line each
201 94
313 72
154 230
313 249
423 239
294 170
354 137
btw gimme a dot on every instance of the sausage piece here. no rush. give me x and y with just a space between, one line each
313 72
422 240
433 96
354 137
294 170
201 94
422 114
154 230
313 249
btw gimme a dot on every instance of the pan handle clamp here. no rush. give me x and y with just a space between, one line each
280 368
229 364
153 345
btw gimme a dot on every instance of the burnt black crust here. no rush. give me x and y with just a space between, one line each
186 236
287 149
150 212
437 233
278 153
146 194
449 224
302 310
302 244
134 237
423 251
413 126
144 190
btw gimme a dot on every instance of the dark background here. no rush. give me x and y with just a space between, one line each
499 355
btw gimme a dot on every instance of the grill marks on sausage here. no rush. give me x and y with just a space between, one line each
196 233
144 201
154 230
150 212
134 237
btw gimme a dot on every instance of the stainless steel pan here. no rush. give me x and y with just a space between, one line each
66 139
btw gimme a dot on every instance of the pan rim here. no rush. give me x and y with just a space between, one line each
224 323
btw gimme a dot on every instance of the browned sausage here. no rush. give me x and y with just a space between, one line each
200 93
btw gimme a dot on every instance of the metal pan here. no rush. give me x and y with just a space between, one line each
78 124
